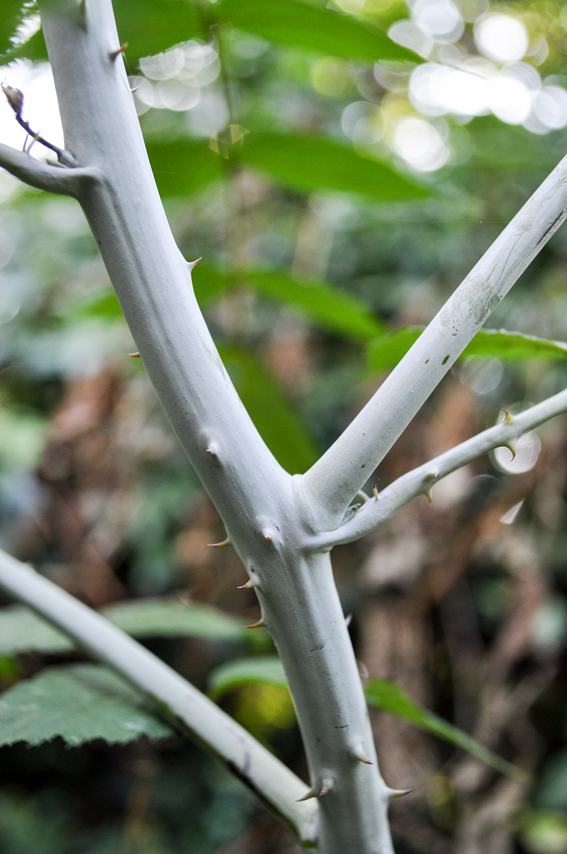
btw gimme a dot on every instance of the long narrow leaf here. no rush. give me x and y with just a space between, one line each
312 163
385 352
314 28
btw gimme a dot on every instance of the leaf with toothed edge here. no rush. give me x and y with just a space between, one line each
78 703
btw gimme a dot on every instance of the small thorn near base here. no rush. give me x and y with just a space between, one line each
222 545
259 625
246 586
116 53
192 264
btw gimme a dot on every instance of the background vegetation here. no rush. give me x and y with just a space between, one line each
338 188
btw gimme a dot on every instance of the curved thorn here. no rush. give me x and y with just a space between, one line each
507 416
511 445
116 53
358 754
246 586
375 490
259 625
310 794
134 355
348 620
192 264
398 793
428 496
222 545
362 494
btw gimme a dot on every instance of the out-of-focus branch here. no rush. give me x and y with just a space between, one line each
419 481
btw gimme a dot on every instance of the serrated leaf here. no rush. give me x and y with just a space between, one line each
277 422
78 703
330 308
242 671
23 631
311 163
181 167
389 697
314 28
10 19
385 352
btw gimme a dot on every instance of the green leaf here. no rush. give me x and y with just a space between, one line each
79 703
153 26
182 167
330 308
311 163
266 669
380 693
389 697
276 421
314 28
385 352
23 631
10 19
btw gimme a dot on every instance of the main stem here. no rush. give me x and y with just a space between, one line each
255 497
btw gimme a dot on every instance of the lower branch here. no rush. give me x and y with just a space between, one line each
54 179
193 713
419 481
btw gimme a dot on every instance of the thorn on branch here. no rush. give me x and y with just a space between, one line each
398 793
134 355
246 586
375 490
221 545
259 625
116 53
193 264
357 753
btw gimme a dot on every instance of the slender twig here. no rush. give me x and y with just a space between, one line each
15 99
419 481
173 696
329 486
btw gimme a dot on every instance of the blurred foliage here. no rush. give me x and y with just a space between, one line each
336 205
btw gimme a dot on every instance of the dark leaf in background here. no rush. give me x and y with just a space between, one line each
278 424
10 19
311 163
183 166
79 703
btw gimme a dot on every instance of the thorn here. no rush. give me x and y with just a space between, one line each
348 620
116 53
432 475
259 625
134 355
246 586
375 490
363 495
362 669
507 417
192 264
222 545
325 788
310 794
268 538
398 793
511 445
358 754
133 91
428 496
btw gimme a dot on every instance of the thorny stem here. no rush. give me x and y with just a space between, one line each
375 511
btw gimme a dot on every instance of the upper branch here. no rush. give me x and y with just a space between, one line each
419 481
332 482
54 179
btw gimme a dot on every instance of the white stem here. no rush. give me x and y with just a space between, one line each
54 179
331 483
419 481
172 695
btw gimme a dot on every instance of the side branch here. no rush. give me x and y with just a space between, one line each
184 705
419 481
54 179
331 483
